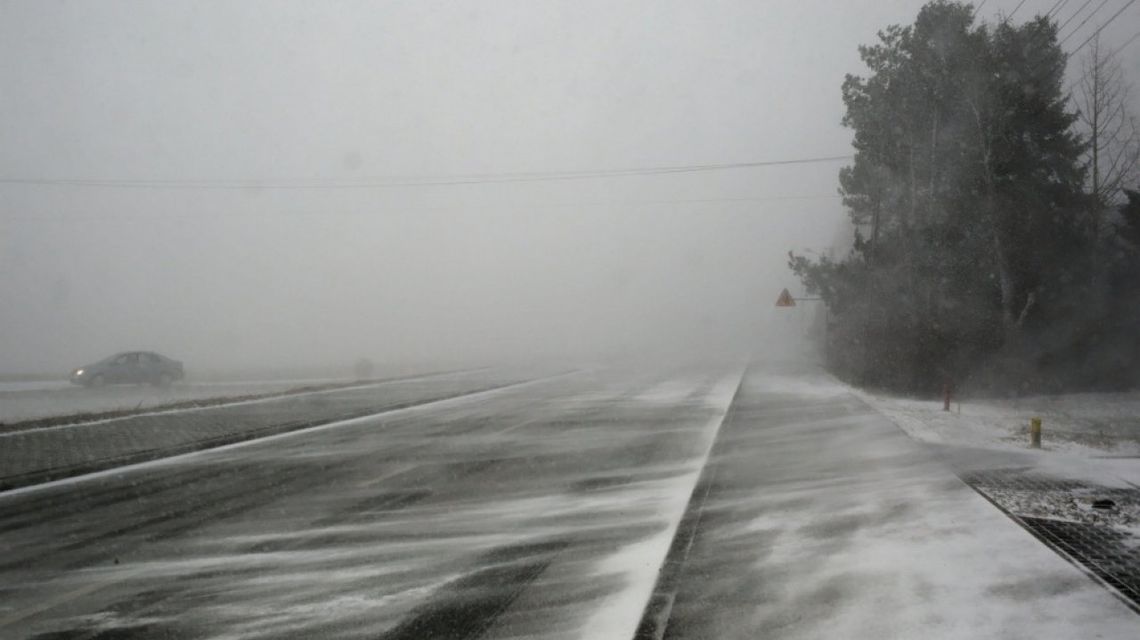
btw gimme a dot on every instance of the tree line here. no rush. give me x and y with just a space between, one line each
997 241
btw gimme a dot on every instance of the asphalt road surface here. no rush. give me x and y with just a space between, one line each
24 401
539 510
33 455
670 504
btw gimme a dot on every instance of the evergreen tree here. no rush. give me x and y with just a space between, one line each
966 193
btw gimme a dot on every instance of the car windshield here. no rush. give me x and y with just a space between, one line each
570 319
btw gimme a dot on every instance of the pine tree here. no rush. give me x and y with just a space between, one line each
966 194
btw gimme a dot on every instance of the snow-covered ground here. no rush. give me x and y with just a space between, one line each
1090 450
1083 424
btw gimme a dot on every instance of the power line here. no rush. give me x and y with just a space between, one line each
1110 55
1075 14
978 9
1126 43
1084 22
1056 8
1012 13
465 207
1113 53
427 181
1102 27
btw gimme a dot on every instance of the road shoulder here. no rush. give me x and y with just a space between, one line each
825 519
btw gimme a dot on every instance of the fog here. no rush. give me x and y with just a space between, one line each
265 163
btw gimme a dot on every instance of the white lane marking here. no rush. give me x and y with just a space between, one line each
641 562
434 404
238 403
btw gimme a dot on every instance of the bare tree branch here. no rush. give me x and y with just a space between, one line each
1103 101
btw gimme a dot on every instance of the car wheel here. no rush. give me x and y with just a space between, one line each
163 380
97 381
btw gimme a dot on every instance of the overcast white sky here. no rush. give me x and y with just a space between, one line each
362 92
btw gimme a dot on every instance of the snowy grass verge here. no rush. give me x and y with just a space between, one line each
1085 424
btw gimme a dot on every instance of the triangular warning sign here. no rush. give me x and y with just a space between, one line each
785 299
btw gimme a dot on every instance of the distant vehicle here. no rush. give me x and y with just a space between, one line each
137 367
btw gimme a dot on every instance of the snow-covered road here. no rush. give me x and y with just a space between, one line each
555 509
823 519
27 401
542 511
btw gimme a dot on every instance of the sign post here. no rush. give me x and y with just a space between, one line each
786 299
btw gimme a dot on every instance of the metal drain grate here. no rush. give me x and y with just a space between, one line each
1111 555
1099 549
1020 479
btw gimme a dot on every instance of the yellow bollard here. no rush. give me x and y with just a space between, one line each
1035 433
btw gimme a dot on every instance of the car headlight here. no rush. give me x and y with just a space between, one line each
79 372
